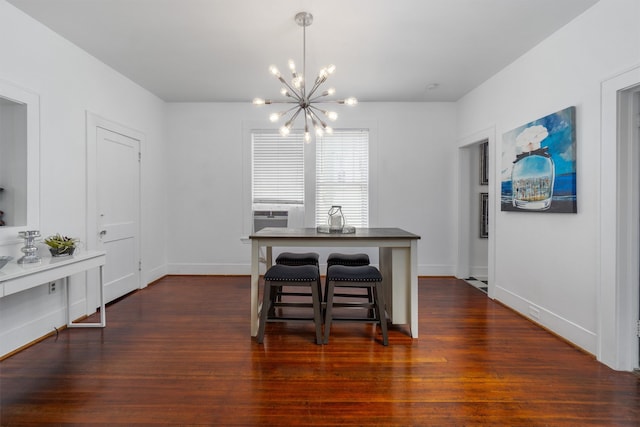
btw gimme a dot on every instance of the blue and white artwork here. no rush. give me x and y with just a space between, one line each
539 165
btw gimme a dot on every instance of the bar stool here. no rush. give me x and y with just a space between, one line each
296 258
352 260
366 276
290 275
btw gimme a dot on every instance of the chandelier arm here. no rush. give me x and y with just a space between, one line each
293 117
282 102
285 112
322 95
316 85
297 94
314 115
306 124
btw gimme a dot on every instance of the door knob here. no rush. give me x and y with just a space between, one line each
103 232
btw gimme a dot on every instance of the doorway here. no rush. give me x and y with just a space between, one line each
476 200
629 119
619 282
113 209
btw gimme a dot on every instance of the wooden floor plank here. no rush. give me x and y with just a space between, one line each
179 353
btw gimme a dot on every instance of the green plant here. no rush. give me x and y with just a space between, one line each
61 243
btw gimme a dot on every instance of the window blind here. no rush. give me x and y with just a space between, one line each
342 175
277 168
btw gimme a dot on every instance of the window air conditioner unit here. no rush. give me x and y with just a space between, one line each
262 219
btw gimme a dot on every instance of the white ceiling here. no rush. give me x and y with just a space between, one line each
384 50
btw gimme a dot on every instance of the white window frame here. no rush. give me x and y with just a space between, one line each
332 145
310 169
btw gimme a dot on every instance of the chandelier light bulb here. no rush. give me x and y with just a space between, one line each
292 66
331 115
258 101
274 117
350 101
307 137
274 70
284 131
331 68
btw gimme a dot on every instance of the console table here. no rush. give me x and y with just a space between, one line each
398 263
16 277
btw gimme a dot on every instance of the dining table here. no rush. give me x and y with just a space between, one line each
397 258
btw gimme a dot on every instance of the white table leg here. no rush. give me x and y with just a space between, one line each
400 283
413 274
103 308
255 278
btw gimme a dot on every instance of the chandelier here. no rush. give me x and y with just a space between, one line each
305 100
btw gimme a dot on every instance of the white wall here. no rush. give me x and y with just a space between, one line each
207 210
69 83
549 262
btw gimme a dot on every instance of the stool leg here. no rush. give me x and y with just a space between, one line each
380 311
328 313
266 306
317 319
319 285
372 301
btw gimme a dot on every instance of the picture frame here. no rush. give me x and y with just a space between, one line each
484 215
484 163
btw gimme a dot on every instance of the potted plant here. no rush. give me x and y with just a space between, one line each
60 245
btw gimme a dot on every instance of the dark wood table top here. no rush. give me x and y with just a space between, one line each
360 234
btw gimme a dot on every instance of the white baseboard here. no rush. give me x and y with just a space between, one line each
33 330
579 336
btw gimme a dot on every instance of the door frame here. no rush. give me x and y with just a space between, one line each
618 289
94 121
464 204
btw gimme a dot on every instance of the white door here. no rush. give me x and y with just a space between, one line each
118 206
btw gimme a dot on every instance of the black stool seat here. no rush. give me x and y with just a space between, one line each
363 273
366 276
347 259
290 275
294 258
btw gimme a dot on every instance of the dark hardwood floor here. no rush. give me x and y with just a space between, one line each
179 353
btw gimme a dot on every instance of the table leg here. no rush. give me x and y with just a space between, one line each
413 274
400 284
103 308
255 278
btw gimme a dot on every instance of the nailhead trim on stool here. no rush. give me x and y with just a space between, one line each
356 277
290 275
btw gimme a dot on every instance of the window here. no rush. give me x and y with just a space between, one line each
341 173
278 169
342 176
